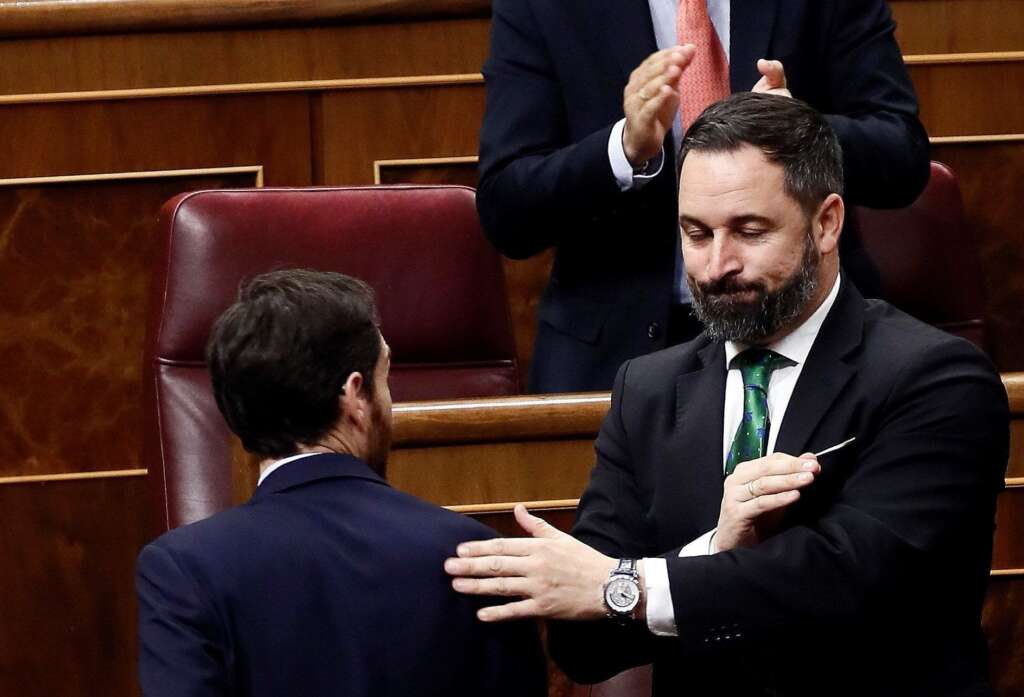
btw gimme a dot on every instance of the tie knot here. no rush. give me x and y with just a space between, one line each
756 366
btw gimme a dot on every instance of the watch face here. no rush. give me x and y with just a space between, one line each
622 594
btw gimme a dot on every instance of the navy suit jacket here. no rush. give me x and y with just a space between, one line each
875 583
327 582
555 78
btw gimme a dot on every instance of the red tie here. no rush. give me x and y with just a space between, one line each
706 79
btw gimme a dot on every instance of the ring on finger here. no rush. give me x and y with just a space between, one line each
750 489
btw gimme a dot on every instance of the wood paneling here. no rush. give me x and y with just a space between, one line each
134 61
992 181
1004 627
55 17
159 134
419 122
67 623
1008 551
76 259
499 472
958 26
970 98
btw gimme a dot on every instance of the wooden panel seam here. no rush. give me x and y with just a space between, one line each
547 505
247 88
73 476
256 170
952 58
420 162
997 138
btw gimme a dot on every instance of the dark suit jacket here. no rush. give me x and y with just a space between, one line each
875 584
327 582
554 80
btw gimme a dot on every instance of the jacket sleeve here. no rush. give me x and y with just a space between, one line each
536 185
872 107
181 647
611 521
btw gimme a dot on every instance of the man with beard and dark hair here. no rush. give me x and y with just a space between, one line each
328 581
711 539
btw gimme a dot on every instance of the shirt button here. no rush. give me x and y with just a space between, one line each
653 331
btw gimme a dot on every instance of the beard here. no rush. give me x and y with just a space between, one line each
728 317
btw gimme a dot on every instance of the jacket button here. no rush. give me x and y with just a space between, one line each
653 331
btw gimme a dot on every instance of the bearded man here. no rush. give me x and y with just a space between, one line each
711 540
328 581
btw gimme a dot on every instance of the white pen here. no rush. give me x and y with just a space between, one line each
835 447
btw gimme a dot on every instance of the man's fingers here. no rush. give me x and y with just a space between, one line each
500 586
537 527
485 566
777 463
774 484
773 72
499 546
770 502
509 611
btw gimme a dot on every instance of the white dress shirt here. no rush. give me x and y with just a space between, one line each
274 466
795 346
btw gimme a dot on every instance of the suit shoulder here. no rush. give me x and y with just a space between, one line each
904 337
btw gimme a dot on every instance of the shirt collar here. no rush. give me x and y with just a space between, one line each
284 461
797 344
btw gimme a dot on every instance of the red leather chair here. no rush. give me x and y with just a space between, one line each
926 261
926 256
440 293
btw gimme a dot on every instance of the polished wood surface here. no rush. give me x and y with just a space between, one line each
56 17
67 624
505 419
241 57
958 26
70 338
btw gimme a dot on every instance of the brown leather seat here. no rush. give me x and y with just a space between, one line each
926 260
439 288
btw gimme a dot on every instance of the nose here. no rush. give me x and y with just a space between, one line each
722 259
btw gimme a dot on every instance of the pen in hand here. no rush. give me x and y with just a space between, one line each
835 447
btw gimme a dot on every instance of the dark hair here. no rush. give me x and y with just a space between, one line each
279 356
788 131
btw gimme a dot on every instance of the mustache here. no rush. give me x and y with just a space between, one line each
728 286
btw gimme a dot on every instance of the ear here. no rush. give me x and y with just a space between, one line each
828 223
354 407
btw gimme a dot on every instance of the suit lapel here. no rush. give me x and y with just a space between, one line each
750 31
697 450
826 373
628 27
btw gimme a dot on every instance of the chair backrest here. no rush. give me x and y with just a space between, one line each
439 286
926 257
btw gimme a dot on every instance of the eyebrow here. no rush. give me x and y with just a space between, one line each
733 222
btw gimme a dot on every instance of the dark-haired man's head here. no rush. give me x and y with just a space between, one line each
760 212
298 364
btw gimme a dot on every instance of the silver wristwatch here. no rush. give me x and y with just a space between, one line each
622 592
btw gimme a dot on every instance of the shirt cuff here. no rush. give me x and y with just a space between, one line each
624 175
661 616
703 545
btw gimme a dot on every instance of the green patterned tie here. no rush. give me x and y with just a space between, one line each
751 439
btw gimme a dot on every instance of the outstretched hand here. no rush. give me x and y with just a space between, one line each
556 575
